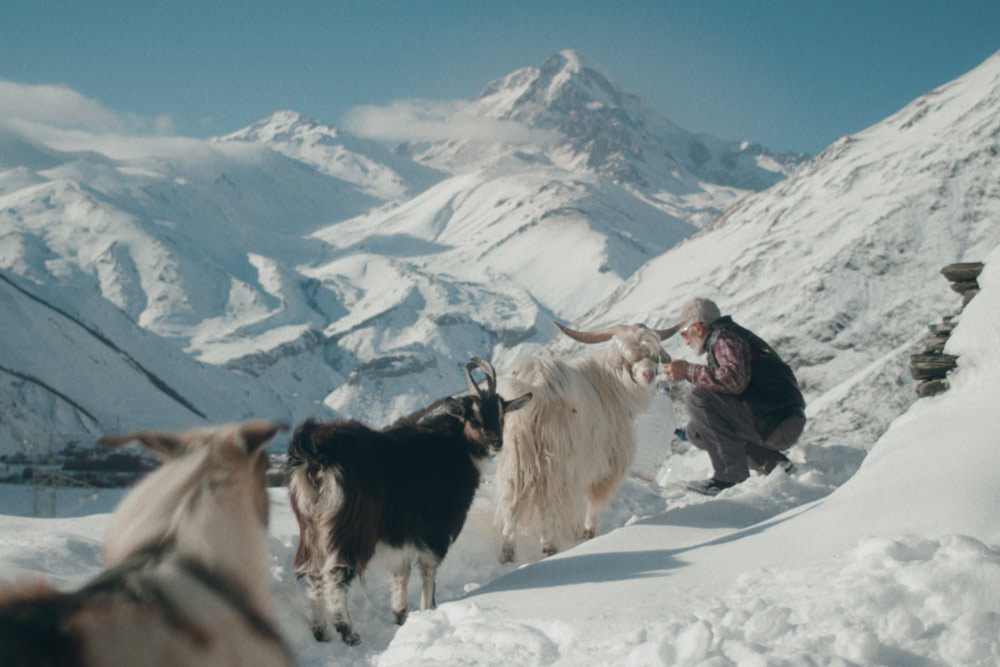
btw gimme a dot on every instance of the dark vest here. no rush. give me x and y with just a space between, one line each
773 392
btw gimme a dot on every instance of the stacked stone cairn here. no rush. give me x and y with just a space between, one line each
930 367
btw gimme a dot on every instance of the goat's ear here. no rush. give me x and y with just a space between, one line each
257 434
517 403
167 445
454 407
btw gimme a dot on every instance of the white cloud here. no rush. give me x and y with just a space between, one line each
426 120
61 107
55 105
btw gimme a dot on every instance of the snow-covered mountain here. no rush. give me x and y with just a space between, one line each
165 240
328 275
75 366
596 125
368 165
326 271
551 224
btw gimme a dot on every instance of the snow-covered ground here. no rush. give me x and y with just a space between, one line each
897 564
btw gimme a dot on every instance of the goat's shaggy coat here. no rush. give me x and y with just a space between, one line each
407 487
187 580
567 453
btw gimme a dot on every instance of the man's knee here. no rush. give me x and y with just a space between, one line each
786 434
695 435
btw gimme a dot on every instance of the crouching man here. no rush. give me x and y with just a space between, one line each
745 407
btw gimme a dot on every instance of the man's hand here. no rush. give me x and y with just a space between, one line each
676 369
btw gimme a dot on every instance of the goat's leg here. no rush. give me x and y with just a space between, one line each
547 531
507 550
428 575
505 516
339 583
597 496
400 582
590 523
316 590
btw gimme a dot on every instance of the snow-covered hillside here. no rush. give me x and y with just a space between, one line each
337 274
367 164
838 265
121 373
898 565
173 236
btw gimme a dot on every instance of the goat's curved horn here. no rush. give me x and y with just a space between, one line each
488 371
590 337
667 333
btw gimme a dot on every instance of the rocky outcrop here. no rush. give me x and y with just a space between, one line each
931 367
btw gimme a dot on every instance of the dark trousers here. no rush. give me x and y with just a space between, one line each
721 425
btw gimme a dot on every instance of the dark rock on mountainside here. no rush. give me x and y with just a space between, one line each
931 367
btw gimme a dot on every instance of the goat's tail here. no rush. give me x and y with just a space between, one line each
303 491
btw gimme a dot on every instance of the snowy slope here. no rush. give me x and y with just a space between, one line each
165 229
838 266
119 375
562 237
900 565
368 165
181 238
500 255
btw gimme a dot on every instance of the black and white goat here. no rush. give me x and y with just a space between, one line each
406 488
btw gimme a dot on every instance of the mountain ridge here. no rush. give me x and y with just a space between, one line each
302 293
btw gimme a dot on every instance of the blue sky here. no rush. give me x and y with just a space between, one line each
790 74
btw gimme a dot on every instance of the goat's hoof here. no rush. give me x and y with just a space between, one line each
548 551
348 634
400 617
320 633
507 553
588 533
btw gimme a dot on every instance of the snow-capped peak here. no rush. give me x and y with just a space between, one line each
367 165
564 83
283 126
608 129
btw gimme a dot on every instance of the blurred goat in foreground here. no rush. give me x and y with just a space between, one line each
186 580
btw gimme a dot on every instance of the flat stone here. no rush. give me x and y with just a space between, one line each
931 366
931 388
962 271
964 286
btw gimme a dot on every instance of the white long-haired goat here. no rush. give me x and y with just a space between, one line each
567 452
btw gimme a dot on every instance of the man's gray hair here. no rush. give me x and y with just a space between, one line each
700 310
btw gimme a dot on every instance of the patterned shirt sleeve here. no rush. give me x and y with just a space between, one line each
733 374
